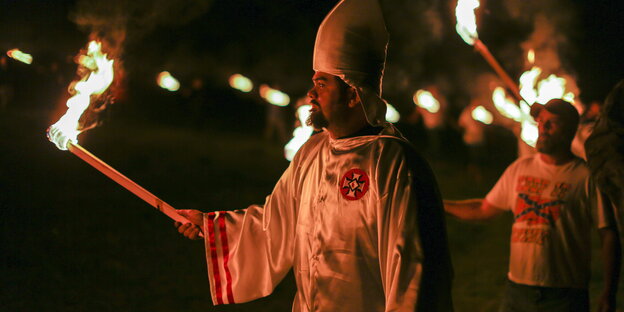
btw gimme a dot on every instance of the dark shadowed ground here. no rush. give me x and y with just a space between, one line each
73 240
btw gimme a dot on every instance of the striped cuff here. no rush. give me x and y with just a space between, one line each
217 256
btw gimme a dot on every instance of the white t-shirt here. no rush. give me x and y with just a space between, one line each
554 208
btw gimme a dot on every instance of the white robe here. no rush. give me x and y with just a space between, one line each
359 221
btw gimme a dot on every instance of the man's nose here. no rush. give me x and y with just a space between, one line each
312 93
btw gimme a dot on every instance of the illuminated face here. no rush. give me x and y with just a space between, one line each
555 135
329 106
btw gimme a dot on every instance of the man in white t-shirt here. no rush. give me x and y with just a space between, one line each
555 206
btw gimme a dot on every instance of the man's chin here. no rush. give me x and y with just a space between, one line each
316 120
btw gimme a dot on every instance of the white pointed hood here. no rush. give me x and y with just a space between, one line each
351 43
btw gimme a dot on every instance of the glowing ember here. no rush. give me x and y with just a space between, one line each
94 83
392 115
241 83
531 56
466 25
301 133
506 106
425 99
168 82
482 115
273 96
18 55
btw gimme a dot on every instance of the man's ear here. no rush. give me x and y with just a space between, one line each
353 97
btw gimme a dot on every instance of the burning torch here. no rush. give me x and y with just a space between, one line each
64 133
467 28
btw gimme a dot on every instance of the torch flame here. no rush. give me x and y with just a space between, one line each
531 56
168 82
392 115
482 115
273 96
466 25
241 83
301 133
94 83
535 91
426 100
506 106
18 55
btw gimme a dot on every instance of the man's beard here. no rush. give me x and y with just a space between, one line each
551 145
317 120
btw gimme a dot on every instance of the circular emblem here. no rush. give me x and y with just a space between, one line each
354 184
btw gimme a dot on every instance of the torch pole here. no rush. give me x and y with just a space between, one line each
485 52
126 182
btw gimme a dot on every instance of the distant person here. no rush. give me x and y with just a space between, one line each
605 150
357 215
555 205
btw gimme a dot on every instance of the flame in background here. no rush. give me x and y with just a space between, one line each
273 96
168 82
241 83
392 115
18 55
426 100
535 91
96 80
466 25
505 105
301 134
482 115
531 56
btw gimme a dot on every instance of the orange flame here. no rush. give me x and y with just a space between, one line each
392 115
505 106
466 25
94 83
241 83
426 100
531 56
168 82
18 55
301 134
273 96
481 114
535 91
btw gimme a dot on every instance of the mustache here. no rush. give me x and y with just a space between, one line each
314 102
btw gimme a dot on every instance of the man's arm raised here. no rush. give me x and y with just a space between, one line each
472 209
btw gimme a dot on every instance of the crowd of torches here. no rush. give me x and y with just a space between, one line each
531 90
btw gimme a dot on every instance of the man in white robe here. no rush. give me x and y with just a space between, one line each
357 215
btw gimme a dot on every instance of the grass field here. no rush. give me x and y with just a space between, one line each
73 240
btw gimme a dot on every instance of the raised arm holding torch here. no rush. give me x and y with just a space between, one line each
64 133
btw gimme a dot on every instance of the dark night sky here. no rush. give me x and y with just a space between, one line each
272 41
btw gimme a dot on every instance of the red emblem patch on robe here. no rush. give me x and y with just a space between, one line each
354 184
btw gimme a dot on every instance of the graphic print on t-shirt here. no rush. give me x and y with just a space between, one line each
534 210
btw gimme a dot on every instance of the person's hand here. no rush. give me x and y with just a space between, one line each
606 303
190 230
